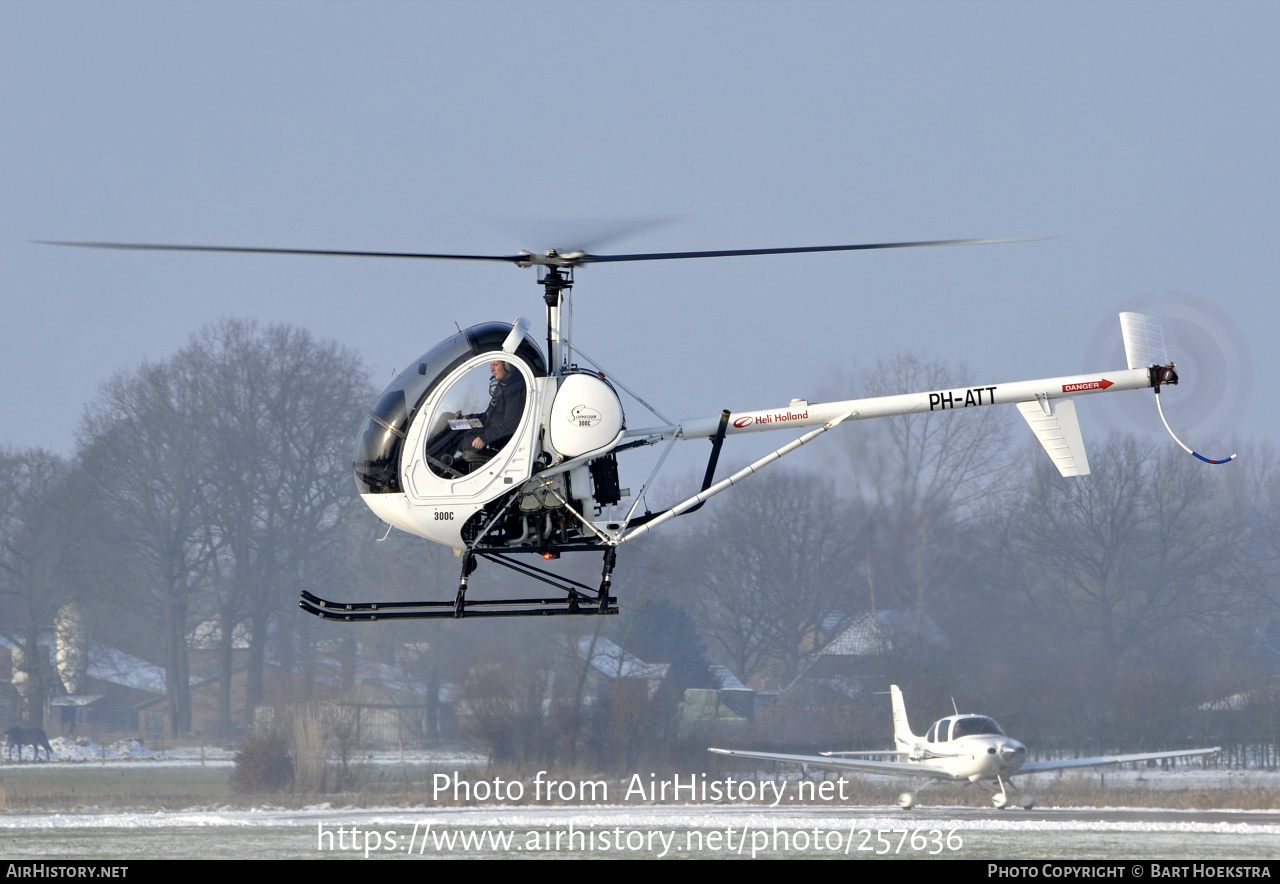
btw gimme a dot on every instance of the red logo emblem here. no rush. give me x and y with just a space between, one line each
744 422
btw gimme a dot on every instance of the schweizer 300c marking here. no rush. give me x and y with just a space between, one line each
492 445
962 749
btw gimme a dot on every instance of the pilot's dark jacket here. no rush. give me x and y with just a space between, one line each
506 405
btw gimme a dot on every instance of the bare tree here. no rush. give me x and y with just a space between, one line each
765 570
226 467
280 407
924 477
143 445
37 573
1120 578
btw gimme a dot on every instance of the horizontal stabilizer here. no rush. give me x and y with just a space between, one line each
1055 425
1143 340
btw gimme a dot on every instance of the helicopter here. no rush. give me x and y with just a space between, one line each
496 447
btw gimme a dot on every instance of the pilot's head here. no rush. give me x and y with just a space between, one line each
501 370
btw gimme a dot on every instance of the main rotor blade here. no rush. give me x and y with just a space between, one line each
156 247
730 253
549 259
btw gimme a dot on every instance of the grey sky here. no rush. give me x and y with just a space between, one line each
1141 135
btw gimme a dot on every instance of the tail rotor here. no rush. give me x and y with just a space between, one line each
1213 366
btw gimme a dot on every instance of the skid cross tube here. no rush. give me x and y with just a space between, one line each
582 592
579 598
474 608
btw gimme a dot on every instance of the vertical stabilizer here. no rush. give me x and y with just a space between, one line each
1143 340
901 730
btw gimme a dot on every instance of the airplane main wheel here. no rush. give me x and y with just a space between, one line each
1001 801
907 800
1026 801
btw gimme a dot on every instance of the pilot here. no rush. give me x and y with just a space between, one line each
500 419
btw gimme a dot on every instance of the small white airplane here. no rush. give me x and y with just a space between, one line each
957 749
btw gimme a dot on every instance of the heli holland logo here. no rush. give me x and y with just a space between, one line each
583 416
743 422
1087 385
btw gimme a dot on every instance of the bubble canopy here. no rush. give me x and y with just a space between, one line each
378 447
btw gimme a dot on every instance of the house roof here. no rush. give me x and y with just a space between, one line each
879 632
74 700
116 667
609 659
726 679
1243 700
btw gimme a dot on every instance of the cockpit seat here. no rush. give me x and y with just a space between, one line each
477 456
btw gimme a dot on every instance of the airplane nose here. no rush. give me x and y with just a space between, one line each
1012 750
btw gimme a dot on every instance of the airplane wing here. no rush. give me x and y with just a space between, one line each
1101 760
886 768
864 754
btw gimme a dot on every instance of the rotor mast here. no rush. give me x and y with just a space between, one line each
557 285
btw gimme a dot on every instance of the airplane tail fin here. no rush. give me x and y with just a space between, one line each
901 729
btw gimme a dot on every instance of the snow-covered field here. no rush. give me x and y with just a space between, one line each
325 832
82 750
659 831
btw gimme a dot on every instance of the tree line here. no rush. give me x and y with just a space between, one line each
211 486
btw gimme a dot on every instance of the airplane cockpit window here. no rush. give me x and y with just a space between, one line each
932 733
944 728
378 447
475 418
976 724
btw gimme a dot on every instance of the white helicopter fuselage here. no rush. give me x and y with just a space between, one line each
564 423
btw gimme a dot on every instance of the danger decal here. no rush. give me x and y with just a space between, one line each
1087 385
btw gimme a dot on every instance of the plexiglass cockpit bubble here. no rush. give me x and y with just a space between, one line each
380 444
475 417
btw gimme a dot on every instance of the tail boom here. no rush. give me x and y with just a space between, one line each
800 413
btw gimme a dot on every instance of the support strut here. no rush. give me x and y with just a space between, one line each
717 442
460 600
606 578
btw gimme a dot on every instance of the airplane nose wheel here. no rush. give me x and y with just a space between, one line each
1001 801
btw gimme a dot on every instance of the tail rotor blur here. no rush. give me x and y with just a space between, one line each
1214 367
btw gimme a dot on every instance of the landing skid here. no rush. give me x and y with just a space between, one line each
579 599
